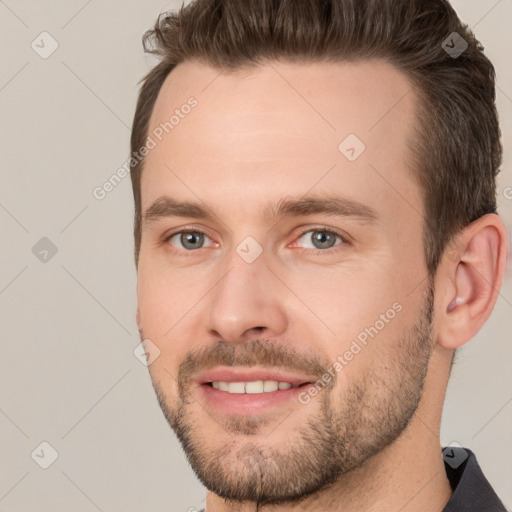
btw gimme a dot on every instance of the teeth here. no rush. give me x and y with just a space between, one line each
236 387
271 385
251 387
257 386
223 386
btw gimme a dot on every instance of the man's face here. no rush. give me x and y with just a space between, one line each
309 295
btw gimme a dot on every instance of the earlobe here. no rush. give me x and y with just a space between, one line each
471 278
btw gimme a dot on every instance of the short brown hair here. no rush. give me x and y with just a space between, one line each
457 152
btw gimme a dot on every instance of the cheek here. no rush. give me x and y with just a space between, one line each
155 307
163 297
347 298
362 311
163 302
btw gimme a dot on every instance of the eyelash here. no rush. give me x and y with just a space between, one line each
321 229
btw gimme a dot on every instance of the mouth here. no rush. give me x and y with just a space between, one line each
238 391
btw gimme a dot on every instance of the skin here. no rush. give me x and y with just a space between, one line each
271 132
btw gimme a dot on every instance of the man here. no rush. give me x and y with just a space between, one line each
315 235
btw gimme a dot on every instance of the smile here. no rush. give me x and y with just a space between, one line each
252 392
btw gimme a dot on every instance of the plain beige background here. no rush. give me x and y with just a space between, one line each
68 375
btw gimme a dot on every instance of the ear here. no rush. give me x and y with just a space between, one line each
469 279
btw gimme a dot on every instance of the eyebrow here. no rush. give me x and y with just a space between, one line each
166 206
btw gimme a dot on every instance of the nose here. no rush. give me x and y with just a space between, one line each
248 302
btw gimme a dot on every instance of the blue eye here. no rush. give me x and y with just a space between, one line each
190 240
321 239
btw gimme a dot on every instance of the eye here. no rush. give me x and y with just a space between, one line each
322 238
189 240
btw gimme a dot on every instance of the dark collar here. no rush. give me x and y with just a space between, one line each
471 490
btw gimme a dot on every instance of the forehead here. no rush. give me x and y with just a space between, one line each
282 127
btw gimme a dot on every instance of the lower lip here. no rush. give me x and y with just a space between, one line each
249 403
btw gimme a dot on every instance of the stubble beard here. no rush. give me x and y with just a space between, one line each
341 434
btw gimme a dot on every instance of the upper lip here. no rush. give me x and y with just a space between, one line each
251 375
